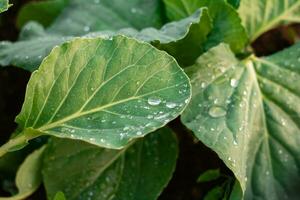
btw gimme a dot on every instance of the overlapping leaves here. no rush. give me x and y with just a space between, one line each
248 112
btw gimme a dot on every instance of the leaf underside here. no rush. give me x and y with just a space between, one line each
249 113
139 171
106 92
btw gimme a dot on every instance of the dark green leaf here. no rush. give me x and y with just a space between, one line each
215 194
28 177
106 92
209 175
139 171
234 3
226 22
81 17
249 113
43 12
259 16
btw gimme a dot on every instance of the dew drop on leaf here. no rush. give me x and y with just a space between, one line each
154 101
217 111
234 83
171 105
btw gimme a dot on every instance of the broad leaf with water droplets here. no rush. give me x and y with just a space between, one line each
106 92
259 16
139 171
248 112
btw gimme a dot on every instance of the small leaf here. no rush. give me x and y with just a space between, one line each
59 196
106 92
234 3
28 177
141 170
209 175
226 22
4 5
215 194
259 16
248 112
43 12
183 39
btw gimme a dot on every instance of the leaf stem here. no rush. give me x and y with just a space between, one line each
18 142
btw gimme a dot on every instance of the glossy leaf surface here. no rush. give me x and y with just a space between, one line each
248 112
106 92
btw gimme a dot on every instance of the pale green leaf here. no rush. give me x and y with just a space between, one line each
183 39
249 113
139 171
4 5
44 12
28 177
106 92
259 16
226 22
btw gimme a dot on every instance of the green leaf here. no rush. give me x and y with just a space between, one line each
183 39
234 3
59 196
249 113
81 17
141 170
209 175
226 22
259 16
4 5
106 92
215 194
43 12
28 177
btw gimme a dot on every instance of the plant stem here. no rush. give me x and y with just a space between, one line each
19 141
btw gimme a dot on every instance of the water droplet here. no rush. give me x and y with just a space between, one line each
267 173
171 105
139 133
217 111
186 101
86 28
203 85
97 1
154 101
234 83
133 10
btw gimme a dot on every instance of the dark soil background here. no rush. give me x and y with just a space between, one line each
194 157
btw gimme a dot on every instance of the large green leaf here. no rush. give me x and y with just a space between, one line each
29 176
106 92
234 3
259 16
44 12
80 17
4 5
249 113
139 171
183 39
226 22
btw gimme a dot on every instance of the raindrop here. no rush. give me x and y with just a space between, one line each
154 101
217 111
171 105
234 83
203 85
86 28
133 10
139 133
